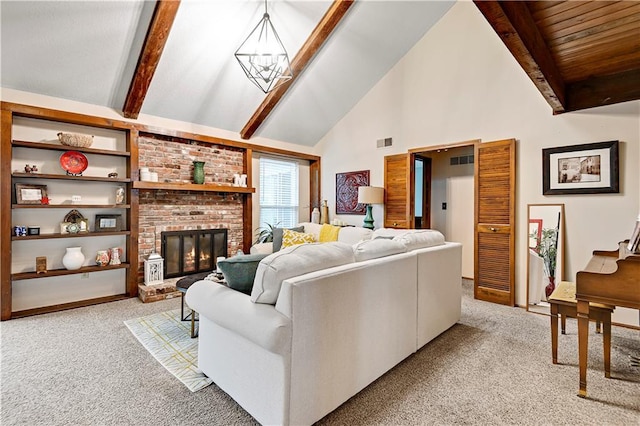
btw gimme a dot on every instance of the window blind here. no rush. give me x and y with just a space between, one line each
278 192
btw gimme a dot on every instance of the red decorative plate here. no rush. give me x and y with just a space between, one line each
74 162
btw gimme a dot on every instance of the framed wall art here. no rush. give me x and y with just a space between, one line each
30 194
347 191
581 169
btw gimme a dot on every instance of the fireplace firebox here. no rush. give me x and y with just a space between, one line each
193 251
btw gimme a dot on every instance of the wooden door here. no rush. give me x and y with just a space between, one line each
398 190
494 275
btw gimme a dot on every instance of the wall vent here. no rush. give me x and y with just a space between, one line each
382 143
463 159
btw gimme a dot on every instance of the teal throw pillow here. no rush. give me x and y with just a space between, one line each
239 271
277 236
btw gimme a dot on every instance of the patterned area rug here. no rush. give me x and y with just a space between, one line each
168 340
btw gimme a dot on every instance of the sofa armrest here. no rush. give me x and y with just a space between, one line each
258 323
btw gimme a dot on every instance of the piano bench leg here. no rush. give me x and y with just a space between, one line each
563 323
554 332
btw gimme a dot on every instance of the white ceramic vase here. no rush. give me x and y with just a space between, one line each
73 258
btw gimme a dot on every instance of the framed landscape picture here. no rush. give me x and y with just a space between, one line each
347 191
581 169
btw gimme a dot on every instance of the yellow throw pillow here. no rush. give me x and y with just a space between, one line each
329 233
292 238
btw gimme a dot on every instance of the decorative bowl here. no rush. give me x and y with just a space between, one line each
75 139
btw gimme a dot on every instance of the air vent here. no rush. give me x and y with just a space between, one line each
463 159
382 143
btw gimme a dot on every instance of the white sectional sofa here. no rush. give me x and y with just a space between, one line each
330 331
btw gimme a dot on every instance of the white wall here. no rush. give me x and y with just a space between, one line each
460 83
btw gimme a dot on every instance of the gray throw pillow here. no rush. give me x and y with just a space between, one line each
240 271
277 236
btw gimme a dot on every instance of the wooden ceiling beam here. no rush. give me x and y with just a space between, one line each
606 90
319 35
161 22
515 26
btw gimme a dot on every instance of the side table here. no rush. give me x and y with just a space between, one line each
183 285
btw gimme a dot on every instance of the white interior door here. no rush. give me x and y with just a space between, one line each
459 215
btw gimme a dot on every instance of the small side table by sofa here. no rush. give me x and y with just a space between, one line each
183 285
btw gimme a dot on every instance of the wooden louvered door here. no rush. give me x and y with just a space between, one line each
398 190
494 279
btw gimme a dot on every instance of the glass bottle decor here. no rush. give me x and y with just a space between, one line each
73 258
198 172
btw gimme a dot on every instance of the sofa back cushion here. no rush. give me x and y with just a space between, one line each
372 249
420 238
354 234
412 238
293 261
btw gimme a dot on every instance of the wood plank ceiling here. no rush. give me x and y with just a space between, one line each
579 54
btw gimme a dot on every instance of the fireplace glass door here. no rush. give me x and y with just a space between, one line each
190 252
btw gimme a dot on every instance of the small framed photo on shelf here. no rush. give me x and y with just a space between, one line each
83 224
30 194
581 169
108 222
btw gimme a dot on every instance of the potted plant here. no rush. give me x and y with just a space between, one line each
265 233
548 249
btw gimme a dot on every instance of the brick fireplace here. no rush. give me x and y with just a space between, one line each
163 210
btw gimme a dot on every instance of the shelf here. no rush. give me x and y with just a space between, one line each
179 186
55 147
78 235
60 272
67 177
72 206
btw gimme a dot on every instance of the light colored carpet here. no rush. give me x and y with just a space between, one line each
169 340
84 367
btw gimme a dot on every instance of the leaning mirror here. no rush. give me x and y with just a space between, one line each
545 253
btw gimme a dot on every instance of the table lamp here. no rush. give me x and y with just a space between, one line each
369 195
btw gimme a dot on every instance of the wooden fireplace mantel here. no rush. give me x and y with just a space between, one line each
184 186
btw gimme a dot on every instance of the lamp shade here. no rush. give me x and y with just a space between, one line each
370 195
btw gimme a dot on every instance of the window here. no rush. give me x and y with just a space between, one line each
278 192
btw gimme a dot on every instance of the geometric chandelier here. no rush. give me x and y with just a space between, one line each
263 57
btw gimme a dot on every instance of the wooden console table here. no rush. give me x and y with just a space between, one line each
610 278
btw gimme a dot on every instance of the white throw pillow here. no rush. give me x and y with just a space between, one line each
293 261
372 249
416 239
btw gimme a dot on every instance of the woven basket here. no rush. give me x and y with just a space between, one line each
75 139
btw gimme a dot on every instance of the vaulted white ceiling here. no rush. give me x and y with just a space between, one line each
88 50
